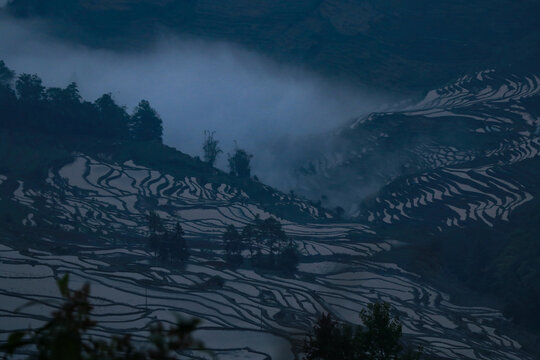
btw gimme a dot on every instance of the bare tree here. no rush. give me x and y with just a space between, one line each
211 148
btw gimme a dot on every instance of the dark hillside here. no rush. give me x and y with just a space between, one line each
388 44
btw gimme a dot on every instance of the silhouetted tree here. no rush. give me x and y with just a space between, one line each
327 341
145 123
65 335
271 234
168 246
112 120
250 237
239 163
29 88
233 244
380 339
6 75
30 107
211 148
178 246
67 96
8 100
66 111
156 231
288 258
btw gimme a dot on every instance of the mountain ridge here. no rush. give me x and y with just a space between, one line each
381 44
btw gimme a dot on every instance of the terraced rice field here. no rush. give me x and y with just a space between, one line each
466 153
460 185
245 314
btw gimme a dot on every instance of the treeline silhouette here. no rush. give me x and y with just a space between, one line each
26 104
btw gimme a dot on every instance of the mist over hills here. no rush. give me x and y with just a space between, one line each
483 119
269 109
389 44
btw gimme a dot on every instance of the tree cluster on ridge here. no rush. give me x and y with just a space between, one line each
26 103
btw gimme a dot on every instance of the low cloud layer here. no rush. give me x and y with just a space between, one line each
269 109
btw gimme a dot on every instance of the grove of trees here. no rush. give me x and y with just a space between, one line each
265 244
378 339
26 104
166 245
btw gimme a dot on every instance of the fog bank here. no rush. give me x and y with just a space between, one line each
268 108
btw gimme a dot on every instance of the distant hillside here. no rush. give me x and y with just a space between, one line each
468 152
401 46
458 175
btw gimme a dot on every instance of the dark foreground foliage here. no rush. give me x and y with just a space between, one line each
65 336
379 339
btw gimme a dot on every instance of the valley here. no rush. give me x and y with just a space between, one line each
385 153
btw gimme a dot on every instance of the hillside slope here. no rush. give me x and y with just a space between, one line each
458 175
85 216
466 153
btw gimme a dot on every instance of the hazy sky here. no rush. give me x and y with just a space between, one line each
195 86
